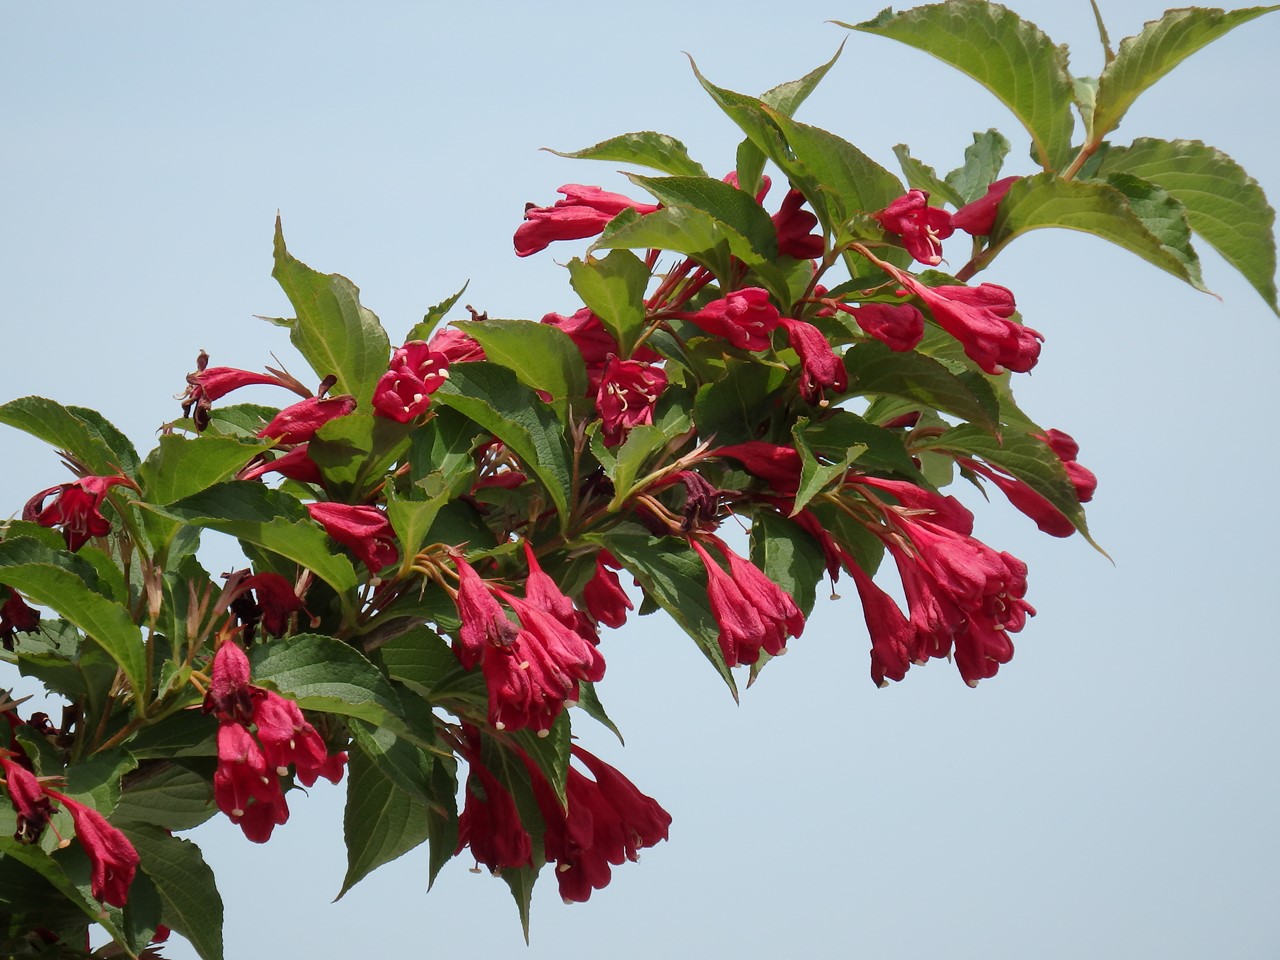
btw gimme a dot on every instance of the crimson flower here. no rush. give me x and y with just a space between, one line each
743 317
821 368
484 623
244 787
582 213
778 465
76 507
922 227
490 824
288 738
899 326
977 218
296 464
404 392
276 601
594 342
299 422
978 318
603 594
364 529
1066 449
795 226
112 859
230 695
208 384
28 800
893 636
455 346
752 611
16 617
1047 517
626 396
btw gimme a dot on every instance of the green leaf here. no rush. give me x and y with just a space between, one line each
407 767
423 662
337 335
614 289
428 324
440 455
673 576
35 572
788 556
179 466
380 822
64 429
632 457
763 137
842 434
493 397
678 229
37 860
1152 229
442 829
1224 205
269 519
876 370
726 204
521 881
590 703
816 476
550 753
982 162
733 407
541 355
1163 44
167 795
106 431
921 176
96 781
187 733
190 902
655 150
1166 219
1009 56
354 452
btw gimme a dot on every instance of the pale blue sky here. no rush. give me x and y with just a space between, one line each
1111 794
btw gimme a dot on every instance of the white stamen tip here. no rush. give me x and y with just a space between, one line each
237 812
282 771
543 734
499 725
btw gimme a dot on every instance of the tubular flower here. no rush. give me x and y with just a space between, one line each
244 787
626 396
743 317
295 465
795 226
606 601
977 218
607 821
1066 449
364 529
208 384
1047 517
893 636
298 423
594 342
112 859
455 346
978 318
288 738
484 623
230 695
77 508
490 824
404 391
582 213
899 326
821 368
28 800
922 227
16 617
752 611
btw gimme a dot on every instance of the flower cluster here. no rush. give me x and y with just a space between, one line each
246 784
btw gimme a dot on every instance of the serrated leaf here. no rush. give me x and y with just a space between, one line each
678 229
180 466
788 556
494 398
875 369
631 457
1044 200
1166 219
589 702
337 335
354 452
424 328
614 289
726 204
166 795
814 475
62 428
1009 56
1224 205
37 573
37 860
96 781
982 162
541 355
190 902
380 821
654 150
921 176
1143 59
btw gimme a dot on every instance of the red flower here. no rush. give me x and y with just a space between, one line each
404 391
277 601
76 508
979 217
1048 518
752 611
490 824
230 695
484 623
1082 478
900 326
780 466
978 318
455 346
287 738
295 465
626 396
112 859
28 800
583 213
744 317
893 636
794 226
16 617
364 529
298 423
821 368
922 227
603 594
594 342
208 384
244 787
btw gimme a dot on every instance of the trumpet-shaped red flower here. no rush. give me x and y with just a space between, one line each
626 396
208 384
76 507
455 345
296 464
603 594
977 218
1047 517
752 611
594 342
112 859
978 318
244 787
364 529
404 391
795 226
484 623
299 422
899 326
28 800
287 738
230 696
893 636
743 317
490 824
821 369
583 212
922 227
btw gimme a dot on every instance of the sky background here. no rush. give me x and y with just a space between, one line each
1112 793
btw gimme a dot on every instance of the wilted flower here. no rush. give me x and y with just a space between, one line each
795 225
582 213
28 800
76 507
16 617
208 384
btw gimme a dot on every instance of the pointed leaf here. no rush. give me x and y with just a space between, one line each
655 150
590 703
614 289
921 176
190 902
1163 44
180 466
788 556
66 429
428 324
982 162
167 795
875 369
380 821
1009 56
678 229
541 355
728 205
